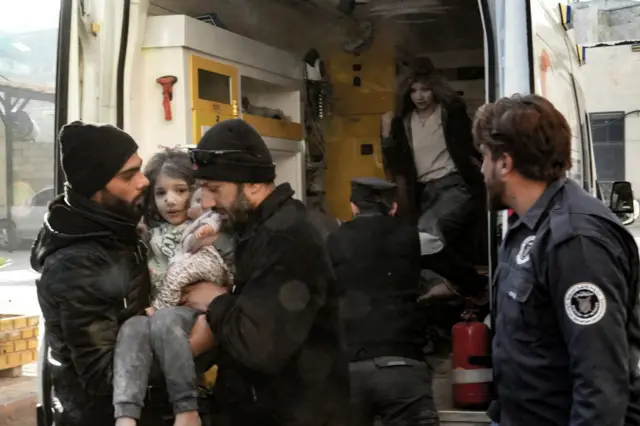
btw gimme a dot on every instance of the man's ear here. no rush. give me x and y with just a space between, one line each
505 164
394 209
251 188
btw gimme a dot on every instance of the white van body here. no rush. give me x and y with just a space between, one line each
517 35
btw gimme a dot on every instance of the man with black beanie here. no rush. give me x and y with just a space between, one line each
279 337
94 271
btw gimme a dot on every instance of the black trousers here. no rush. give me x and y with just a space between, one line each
397 390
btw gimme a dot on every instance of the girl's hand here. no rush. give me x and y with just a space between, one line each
150 311
197 243
205 230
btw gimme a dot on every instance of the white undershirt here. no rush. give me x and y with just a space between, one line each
430 153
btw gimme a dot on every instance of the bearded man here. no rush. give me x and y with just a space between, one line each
566 308
93 271
278 332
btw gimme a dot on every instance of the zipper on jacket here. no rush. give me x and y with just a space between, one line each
139 254
254 394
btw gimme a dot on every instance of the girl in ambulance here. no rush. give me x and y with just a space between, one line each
428 151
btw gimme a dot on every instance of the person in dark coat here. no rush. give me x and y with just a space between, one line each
428 151
376 257
93 271
279 335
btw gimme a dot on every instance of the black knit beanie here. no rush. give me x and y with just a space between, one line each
93 154
233 151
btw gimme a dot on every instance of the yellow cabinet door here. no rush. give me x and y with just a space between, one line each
214 86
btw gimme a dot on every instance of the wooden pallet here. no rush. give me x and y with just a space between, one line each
18 343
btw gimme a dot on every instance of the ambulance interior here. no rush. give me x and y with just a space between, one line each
260 60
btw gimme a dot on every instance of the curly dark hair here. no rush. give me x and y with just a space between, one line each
443 93
173 163
531 131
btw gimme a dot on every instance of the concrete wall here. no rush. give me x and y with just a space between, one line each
611 73
599 21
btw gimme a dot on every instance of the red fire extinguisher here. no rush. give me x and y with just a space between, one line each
471 374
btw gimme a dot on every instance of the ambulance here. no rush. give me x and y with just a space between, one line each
313 77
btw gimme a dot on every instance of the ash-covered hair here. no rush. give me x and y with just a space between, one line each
173 163
531 131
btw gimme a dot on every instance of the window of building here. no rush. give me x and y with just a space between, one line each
607 131
28 54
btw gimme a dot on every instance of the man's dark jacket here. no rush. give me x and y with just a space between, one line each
281 352
94 277
376 258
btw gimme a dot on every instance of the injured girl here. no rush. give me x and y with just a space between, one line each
162 336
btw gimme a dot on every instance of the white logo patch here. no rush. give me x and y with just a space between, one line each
585 303
524 254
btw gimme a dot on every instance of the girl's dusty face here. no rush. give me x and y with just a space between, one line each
421 96
172 199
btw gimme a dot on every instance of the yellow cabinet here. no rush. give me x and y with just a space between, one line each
214 86
275 128
347 158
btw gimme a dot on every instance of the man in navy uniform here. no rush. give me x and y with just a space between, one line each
566 318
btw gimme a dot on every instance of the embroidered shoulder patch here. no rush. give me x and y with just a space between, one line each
585 303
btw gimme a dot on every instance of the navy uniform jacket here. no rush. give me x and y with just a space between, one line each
567 342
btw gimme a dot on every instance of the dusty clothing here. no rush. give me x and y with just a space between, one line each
94 278
431 156
163 337
167 330
204 265
164 242
281 344
172 268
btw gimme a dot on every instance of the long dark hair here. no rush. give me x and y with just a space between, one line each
443 93
173 163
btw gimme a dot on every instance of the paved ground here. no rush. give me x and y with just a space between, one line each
18 296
